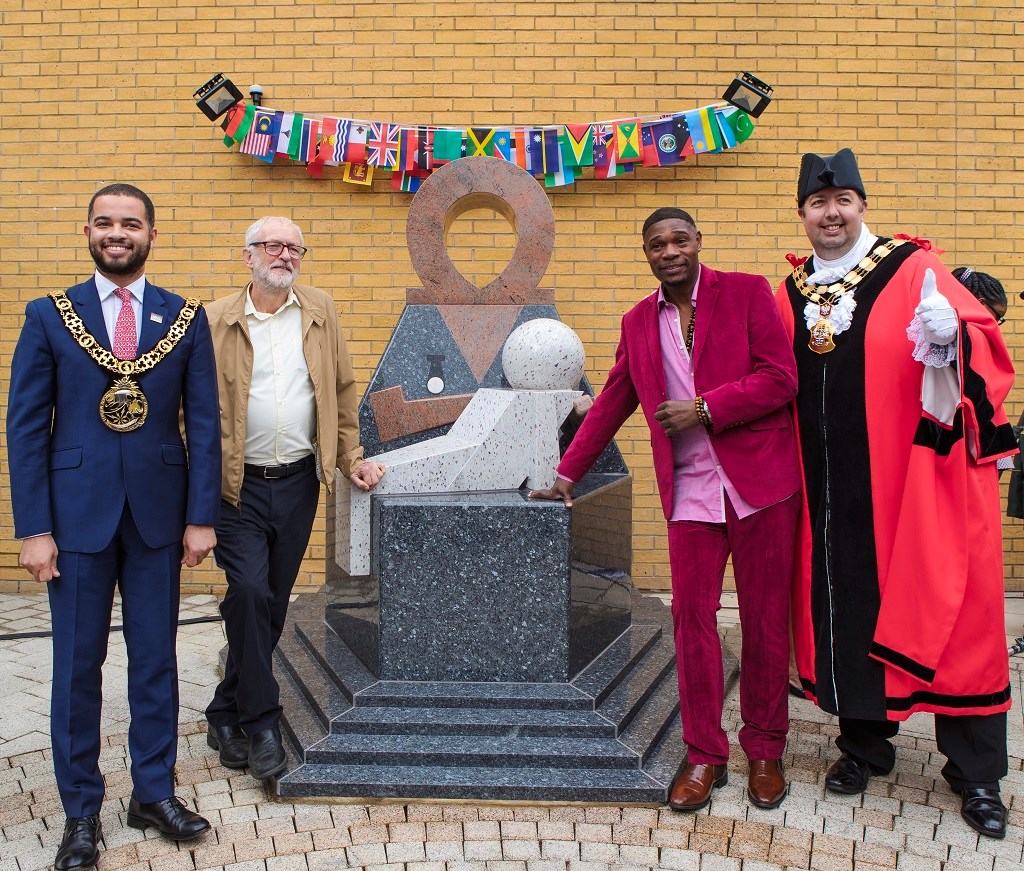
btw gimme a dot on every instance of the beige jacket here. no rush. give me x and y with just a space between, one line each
330 370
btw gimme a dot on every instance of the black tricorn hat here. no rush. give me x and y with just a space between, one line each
837 171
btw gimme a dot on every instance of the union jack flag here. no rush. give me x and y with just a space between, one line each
382 145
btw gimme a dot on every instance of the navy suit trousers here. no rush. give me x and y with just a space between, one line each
80 604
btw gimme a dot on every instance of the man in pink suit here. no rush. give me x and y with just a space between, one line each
707 358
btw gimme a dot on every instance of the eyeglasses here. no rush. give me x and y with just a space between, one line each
274 249
1000 318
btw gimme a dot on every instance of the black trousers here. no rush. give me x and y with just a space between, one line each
974 747
260 547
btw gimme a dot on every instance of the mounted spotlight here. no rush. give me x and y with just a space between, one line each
749 93
217 96
256 95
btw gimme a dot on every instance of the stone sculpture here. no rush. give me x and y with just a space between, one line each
472 643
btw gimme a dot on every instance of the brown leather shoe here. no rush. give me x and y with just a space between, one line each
691 790
766 784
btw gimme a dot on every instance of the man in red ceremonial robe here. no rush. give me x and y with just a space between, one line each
898 595
707 359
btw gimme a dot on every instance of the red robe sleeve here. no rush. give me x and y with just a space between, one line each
934 496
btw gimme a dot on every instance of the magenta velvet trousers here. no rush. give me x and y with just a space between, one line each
762 547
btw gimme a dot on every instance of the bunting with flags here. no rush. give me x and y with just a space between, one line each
555 153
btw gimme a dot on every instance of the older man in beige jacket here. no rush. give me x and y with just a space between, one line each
288 415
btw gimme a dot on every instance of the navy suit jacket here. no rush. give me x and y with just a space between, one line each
70 473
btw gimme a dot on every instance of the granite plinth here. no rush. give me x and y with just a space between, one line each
610 735
539 591
505 439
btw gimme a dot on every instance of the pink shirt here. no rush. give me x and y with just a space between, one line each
700 485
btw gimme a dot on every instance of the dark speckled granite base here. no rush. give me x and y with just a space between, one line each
538 590
610 735
499 652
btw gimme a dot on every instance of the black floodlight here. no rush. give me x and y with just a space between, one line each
749 93
217 96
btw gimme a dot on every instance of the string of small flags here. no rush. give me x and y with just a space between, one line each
555 153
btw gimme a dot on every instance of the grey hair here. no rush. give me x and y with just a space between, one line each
255 231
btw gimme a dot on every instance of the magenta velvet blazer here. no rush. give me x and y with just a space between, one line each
745 370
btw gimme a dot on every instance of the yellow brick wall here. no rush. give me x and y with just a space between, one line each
90 93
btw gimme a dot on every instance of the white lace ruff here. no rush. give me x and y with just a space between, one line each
936 356
840 317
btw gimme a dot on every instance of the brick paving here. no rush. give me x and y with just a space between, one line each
908 821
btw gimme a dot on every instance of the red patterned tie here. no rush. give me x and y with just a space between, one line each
125 340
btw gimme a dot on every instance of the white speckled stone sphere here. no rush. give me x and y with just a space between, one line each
543 354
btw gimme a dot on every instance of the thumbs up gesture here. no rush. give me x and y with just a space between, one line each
938 319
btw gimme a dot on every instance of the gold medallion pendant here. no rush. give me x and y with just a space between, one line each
825 298
821 337
124 406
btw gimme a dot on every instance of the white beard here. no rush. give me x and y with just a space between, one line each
271 277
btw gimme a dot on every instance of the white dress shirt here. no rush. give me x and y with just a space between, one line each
111 305
281 420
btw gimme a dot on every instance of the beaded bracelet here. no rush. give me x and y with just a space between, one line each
703 414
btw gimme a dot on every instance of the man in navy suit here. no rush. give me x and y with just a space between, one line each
106 495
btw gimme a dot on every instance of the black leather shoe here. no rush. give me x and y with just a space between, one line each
78 846
983 810
170 817
232 744
266 755
848 776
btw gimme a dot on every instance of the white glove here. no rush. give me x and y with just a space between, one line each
938 319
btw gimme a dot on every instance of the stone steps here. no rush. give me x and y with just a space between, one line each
492 751
525 722
473 782
612 734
